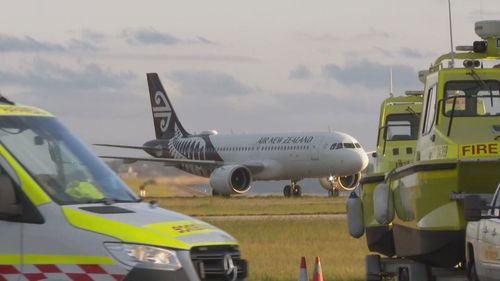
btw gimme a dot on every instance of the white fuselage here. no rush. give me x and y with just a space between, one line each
281 156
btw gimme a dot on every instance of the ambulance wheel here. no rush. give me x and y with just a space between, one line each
287 191
471 271
297 191
372 266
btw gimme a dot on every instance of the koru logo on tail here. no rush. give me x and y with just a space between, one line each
162 110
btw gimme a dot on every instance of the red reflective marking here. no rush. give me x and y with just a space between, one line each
118 277
92 268
48 268
35 276
8 269
3 278
79 276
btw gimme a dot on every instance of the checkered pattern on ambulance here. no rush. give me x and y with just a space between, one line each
62 272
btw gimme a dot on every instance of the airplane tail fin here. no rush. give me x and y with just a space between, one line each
166 123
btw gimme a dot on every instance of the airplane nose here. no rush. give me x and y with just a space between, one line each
350 161
357 161
363 159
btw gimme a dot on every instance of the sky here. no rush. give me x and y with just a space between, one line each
233 66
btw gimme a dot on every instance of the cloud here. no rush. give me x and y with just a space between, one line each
372 34
27 44
413 53
194 57
319 37
200 83
81 45
300 72
404 52
153 37
46 77
201 39
370 74
92 36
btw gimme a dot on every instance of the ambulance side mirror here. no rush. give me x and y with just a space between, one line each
472 208
8 203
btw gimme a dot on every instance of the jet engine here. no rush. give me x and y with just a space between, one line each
231 179
342 183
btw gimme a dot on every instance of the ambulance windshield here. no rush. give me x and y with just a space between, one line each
61 165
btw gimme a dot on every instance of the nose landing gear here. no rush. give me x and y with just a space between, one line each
333 192
292 190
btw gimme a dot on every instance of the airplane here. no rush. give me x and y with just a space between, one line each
232 162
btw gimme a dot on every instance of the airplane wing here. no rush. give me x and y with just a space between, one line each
129 146
166 161
253 166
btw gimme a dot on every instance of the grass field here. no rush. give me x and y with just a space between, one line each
209 206
273 246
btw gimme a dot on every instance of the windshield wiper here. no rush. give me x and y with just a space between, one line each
482 84
110 201
105 201
452 115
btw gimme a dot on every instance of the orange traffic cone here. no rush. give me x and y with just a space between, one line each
303 270
318 274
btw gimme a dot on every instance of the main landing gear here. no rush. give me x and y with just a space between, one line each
292 190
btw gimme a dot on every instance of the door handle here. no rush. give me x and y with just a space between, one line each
494 233
485 230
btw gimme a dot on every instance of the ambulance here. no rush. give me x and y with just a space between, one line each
64 215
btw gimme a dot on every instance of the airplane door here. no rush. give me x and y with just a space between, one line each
315 147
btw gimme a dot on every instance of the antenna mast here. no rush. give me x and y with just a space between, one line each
452 62
391 89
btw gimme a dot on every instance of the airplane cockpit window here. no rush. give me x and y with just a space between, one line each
401 127
472 98
343 145
349 145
